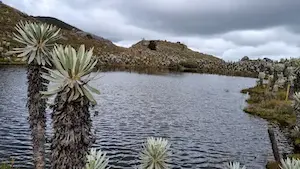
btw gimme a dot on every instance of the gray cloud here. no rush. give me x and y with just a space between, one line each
229 28
211 16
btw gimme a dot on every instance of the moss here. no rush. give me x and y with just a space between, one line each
272 165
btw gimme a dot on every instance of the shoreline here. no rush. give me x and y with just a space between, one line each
274 108
154 70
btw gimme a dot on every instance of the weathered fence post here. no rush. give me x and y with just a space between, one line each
274 145
287 92
291 92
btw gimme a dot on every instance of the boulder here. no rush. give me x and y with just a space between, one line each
152 45
245 58
268 60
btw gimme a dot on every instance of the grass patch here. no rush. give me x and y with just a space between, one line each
282 115
254 90
270 106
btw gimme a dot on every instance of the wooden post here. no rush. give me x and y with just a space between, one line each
274 145
287 92
291 92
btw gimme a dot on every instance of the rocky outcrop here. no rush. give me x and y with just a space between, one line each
250 66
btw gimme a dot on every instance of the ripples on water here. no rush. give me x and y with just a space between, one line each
203 121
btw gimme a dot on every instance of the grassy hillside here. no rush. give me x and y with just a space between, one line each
9 17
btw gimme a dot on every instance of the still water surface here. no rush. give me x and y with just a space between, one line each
201 115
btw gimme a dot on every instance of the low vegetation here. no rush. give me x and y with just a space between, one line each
270 106
276 108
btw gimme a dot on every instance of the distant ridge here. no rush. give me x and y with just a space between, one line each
56 22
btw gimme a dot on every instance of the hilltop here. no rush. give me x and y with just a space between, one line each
9 17
56 22
143 54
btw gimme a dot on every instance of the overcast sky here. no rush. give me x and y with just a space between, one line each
229 29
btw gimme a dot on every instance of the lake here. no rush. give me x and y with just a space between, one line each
201 115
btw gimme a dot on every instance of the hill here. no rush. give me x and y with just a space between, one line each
166 54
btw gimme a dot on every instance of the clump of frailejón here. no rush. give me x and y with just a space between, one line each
290 163
38 40
71 77
235 165
73 96
96 160
36 43
155 154
279 75
261 77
